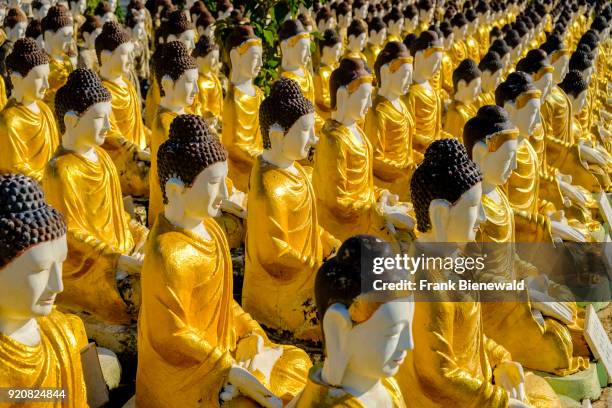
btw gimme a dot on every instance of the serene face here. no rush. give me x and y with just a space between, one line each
359 102
357 43
323 25
491 79
93 125
465 216
300 51
18 31
402 77
472 90
35 83
332 55
377 347
497 166
544 84
121 57
251 61
188 38
203 199
300 138
61 40
208 63
578 102
344 21
30 283
433 62
80 6
185 88
527 118
378 37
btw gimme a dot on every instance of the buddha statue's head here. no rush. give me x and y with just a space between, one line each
28 66
15 24
57 31
357 36
206 54
513 41
105 11
448 36
366 332
393 69
179 28
409 40
427 51
589 42
286 119
114 50
446 189
350 89
491 141
558 55
33 248
360 9
306 21
137 9
521 99
196 9
135 21
494 34
330 47
40 8
491 68
522 31
205 23
460 26
501 48
243 53
395 21
601 27
77 7
177 73
426 10
472 19
82 109
343 14
582 61
224 9
294 44
90 30
34 31
192 168
484 12
575 86
377 31
325 19
466 81
536 64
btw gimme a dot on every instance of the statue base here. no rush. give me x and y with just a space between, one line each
578 386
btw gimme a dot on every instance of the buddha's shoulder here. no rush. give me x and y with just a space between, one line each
334 131
70 326
169 244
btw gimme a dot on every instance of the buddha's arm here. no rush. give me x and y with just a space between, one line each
238 148
320 96
245 325
535 226
329 242
437 365
453 124
496 353
375 130
12 156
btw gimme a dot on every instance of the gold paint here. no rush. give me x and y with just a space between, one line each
525 97
496 140
253 42
456 115
296 38
398 62
209 102
543 71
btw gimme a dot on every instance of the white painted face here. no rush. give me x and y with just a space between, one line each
17 32
323 25
378 37
358 103
113 4
544 84
332 54
465 216
396 27
432 63
377 347
185 88
300 138
578 102
30 283
250 63
61 40
81 5
357 43
473 88
497 166
34 85
528 117
203 199
208 63
121 58
344 21
300 51
42 11
402 78
93 125
188 38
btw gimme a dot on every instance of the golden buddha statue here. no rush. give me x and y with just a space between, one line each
136 22
445 72
177 76
472 45
88 32
295 50
209 103
348 203
58 36
491 69
357 38
459 50
377 36
366 336
543 345
453 362
14 28
29 130
388 124
484 26
467 87
342 11
82 182
40 347
285 244
394 20
426 10
330 49
241 134
189 323
422 99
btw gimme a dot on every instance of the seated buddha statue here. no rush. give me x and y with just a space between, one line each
81 181
360 9
343 14
536 332
491 70
426 13
356 40
177 74
377 36
422 99
40 347
189 323
445 72
241 134
14 28
583 61
325 20
330 49
411 19
348 202
58 36
359 323
388 125
285 243
453 362
501 48
483 10
459 50
467 87
128 139
29 130
394 19
209 103
471 43
89 30
295 50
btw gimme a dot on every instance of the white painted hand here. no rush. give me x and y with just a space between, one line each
510 376
249 386
264 360
131 264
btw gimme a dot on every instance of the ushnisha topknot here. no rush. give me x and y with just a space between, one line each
426 40
517 83
191 147
489 120
34 29
490 62
467 70
26 55
574 83
284 106
112 36
329 38
177 24
580 61
446 172
204 46
82 90
533 62
290 28
26 219
173 60
103 8
348 70
57 17
14 16
392 51
91 23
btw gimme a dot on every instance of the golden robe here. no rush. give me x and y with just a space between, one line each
58 75
284 249
241 134
306 82
523 185
126 119
544 347
322 95
456 115
446 76
343 182
321 395
371 53
485 98
28 139
482 37
209 102
426 107
390 131
190 327
3 95
459 52
54 363
473 49
88 194
151 103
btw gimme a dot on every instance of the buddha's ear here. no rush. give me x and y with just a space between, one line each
167 83
337 325
71 119
284 46
439 213
16 78
342 96
234 57
105 55
479 152
174 189
384 74
276 134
